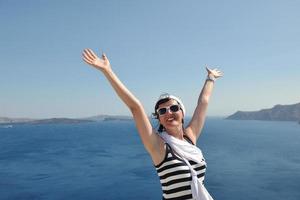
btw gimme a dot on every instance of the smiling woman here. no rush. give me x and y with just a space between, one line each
179 162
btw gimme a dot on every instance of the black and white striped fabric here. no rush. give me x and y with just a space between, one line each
175 176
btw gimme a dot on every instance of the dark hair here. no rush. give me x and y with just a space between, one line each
161 128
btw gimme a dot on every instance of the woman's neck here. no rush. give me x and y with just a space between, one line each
176 132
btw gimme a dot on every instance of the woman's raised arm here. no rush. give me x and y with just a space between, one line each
147 134
195 126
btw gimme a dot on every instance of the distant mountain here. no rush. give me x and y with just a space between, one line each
6 120
108 117
59 120
277 113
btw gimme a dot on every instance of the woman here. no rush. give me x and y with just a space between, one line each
179 163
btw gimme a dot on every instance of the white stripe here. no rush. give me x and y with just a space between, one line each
200 172
175 177
169 162
173 169
187 152
176 185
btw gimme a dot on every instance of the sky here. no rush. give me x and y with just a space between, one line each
154 47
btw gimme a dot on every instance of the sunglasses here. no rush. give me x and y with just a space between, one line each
172 108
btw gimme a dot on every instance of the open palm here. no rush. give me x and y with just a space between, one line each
92 59
215 72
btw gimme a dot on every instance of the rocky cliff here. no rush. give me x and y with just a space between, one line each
277 113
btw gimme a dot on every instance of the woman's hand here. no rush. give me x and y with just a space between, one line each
214 72
92 59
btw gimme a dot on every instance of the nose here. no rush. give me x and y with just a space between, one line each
169 111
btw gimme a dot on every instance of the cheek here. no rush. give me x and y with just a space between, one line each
159 118
180 116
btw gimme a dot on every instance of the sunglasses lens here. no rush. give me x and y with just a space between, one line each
162 111
174 108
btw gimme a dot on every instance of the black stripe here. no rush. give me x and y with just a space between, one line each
170 166
167 159
177 181
184 197
181 180
170 158
200 168
168 150
174 173
192 162
179 189
200 175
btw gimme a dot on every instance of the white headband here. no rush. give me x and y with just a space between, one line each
166 95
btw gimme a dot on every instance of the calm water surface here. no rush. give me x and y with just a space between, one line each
106 160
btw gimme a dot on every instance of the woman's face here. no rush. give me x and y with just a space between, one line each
170 119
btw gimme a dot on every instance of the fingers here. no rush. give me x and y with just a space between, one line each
207 69
216 72
87 61
89 54
219 73
104 56
87 58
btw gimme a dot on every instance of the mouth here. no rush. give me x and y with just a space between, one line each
170 119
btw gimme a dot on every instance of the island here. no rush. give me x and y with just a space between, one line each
59 121
10 121
276 113
110 118
5 120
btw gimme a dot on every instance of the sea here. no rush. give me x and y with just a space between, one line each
246 160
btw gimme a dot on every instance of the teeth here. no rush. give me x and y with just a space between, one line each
170 119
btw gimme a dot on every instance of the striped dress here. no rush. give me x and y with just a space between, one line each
175 176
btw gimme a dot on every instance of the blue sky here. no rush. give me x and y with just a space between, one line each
154 47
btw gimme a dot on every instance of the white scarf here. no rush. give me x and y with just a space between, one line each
187 152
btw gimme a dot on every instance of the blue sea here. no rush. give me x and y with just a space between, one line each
106 160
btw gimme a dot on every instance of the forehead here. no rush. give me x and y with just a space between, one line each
168 103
